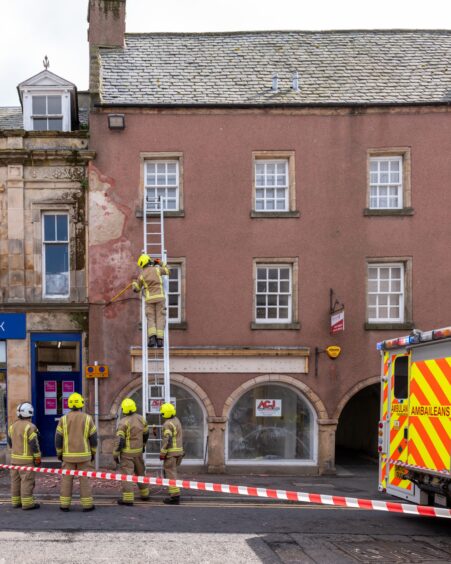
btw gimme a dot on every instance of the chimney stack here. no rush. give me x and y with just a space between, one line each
106 20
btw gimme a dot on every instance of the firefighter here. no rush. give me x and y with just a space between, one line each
171 452
150 282
76 445
23 440
131 438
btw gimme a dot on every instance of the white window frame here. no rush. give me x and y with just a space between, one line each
58 242
265 187
176 267
289 306
28 115
47 116
389 292
378 185
155 187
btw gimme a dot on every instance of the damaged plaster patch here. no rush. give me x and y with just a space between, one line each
106 221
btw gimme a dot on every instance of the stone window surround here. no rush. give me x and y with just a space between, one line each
408 298
155 156
38 209
272 155
181 263
405 153
293 263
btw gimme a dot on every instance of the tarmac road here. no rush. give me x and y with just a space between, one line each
223 529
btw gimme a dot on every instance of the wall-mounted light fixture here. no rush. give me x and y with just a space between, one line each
116 121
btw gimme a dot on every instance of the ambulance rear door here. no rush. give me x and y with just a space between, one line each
398 427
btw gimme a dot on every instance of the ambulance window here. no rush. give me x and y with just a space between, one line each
401 377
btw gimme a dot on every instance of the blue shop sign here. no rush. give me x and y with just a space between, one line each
13 326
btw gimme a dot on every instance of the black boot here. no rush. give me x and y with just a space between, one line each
152 342
86 509
35 506
122 502
172 500
159 342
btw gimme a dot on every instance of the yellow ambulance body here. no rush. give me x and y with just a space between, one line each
415 424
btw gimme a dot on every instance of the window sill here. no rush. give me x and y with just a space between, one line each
139 213
407 325
275 214
401 212
182 326
280 326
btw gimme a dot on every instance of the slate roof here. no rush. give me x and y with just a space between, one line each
11 117
337 67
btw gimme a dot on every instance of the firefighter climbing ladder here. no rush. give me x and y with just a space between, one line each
155 361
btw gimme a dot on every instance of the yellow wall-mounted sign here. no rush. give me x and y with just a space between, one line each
333 351
96 371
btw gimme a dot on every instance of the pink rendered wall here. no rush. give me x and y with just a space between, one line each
331 238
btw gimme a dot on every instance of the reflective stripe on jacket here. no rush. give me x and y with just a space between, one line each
151 282
24 442
76 437
131 435
172 443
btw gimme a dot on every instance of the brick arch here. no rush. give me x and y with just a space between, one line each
352 392
177 379
315 401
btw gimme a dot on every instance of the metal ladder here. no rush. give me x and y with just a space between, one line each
155 361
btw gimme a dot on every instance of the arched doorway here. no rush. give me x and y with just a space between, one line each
356 434
271 424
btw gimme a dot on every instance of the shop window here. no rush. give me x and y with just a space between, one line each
192 418
271 423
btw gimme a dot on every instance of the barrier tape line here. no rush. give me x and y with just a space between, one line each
286 495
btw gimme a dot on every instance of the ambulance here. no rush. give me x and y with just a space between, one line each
414 434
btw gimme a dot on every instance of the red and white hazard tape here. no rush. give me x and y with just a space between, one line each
415 467
285 495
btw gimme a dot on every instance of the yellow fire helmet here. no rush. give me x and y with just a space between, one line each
75 401
128 406
144 260
167 410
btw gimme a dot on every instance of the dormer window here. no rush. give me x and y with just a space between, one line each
49 102
47 114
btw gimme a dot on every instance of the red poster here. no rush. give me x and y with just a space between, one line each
50 388
50 406
68 387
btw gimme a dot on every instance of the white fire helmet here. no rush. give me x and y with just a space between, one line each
25 410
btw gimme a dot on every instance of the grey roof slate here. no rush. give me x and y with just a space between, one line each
337 67
11 118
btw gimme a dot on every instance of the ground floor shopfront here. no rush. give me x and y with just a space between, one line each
43 366
242 410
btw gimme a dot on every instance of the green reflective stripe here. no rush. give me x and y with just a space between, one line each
86 435
20 457
120 434
132 450
25 442
178 449
65 436
32 436
127 436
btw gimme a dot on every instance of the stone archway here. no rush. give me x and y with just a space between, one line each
325 426
358 415
177 379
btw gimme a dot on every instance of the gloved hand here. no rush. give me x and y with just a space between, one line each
117 460
93 456
136 290
37 461
162 456
60 457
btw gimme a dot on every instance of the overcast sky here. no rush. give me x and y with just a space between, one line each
31 29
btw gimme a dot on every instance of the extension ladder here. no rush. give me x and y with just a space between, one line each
155 361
